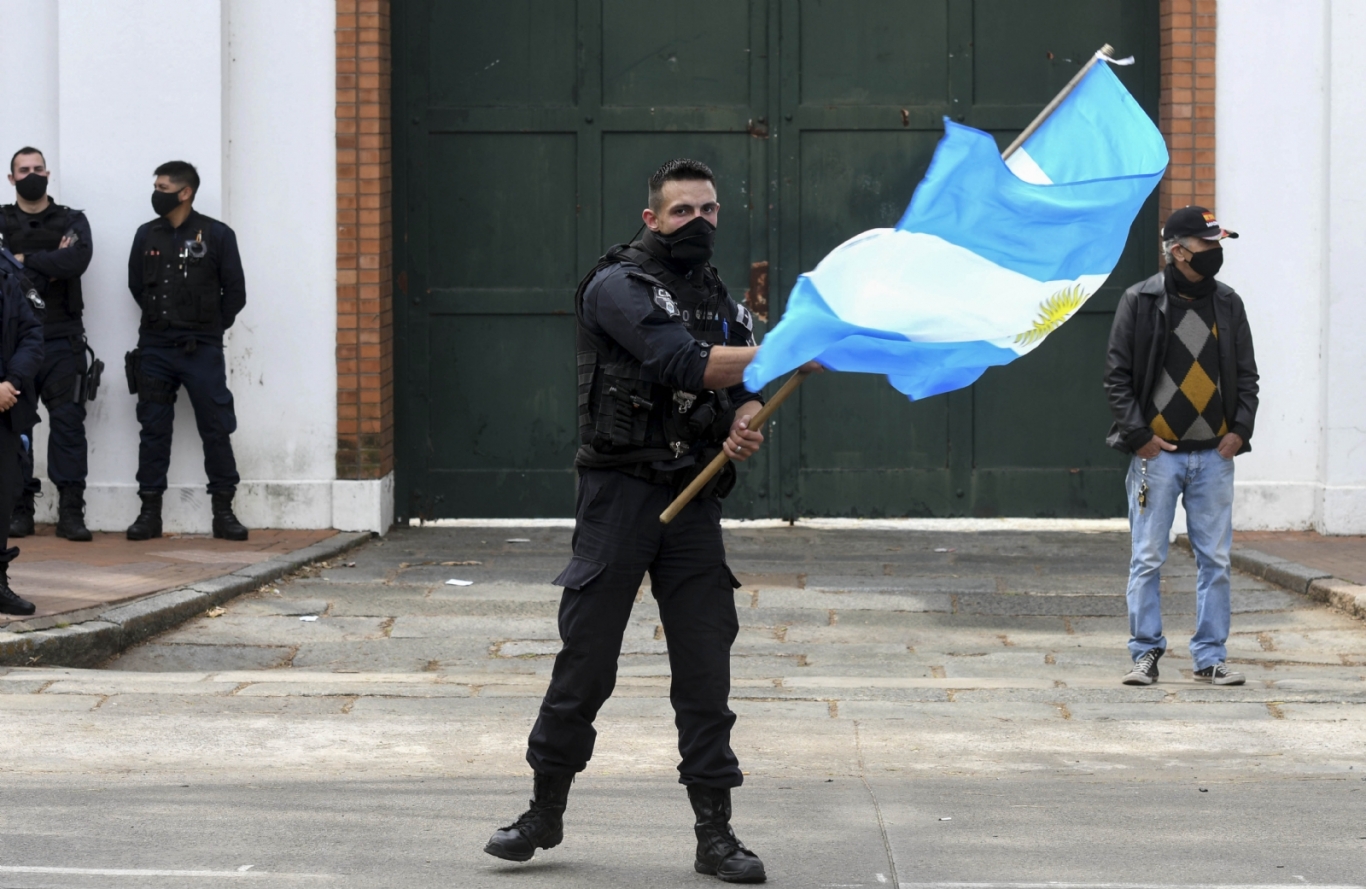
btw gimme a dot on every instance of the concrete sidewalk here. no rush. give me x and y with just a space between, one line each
90 596
64 578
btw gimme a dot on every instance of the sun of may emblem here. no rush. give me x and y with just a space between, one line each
1053 312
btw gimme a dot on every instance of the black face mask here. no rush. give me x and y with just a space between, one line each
164 202
690 246
31 187
1208 263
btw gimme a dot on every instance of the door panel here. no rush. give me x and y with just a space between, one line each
873 52
514 52
675 54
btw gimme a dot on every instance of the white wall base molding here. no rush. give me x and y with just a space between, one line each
1275 506
1344 510
344 505
366 505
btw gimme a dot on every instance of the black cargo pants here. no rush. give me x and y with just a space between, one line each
202 370
617 539
58 379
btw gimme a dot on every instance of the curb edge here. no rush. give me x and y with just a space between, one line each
1345 596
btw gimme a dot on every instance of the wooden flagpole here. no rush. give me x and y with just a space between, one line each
761 416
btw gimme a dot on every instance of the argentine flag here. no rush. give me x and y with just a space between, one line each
990 257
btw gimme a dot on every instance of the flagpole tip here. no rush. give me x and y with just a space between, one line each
1108 50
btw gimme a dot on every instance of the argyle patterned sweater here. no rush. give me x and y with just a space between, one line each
1187 408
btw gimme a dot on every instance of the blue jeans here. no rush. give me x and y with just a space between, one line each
1204 481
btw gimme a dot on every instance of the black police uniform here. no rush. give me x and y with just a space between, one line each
55 273
190 286
647 426
21 357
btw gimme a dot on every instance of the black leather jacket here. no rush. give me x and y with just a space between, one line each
1138 348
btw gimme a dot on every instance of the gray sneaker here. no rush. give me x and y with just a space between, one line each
1145 668
1219 674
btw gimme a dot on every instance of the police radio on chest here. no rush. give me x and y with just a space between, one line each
196 250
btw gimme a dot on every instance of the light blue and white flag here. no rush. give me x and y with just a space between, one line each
991 256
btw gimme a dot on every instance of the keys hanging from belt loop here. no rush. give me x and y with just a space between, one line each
1143 490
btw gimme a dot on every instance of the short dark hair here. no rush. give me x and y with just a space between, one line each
181 173
681 168
27 149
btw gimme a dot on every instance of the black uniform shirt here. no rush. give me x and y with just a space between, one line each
63 263
648 323
223 251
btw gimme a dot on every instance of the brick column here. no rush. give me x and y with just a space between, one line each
365 318
1186 111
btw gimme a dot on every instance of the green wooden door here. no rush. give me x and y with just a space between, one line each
525 131
862 109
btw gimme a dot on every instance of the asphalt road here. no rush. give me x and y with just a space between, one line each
916 708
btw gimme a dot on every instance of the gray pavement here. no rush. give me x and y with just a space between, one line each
926 708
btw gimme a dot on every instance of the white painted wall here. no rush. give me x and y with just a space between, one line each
243 89
1291 137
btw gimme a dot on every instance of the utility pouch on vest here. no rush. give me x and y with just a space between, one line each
623 413
132 364
705 417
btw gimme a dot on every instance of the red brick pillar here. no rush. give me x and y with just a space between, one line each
1186 111
365 319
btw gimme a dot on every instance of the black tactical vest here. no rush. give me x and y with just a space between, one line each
181 290
627 417
30 234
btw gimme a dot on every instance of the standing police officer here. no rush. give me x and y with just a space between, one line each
186 275
53 244
662 350
21 356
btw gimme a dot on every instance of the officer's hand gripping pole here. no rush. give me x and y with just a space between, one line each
762 415
755 422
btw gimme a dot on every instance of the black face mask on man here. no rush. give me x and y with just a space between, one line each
1207 263
163 202
31 187
691 245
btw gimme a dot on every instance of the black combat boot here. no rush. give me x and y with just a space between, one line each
540 827
21 522
719 853
147 525
71 514
9 602
225 524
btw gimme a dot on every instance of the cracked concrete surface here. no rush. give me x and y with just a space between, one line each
884 680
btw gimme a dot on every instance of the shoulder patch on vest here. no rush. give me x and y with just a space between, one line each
666 302
743 317
34 298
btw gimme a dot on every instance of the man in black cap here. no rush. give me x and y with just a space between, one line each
1181 378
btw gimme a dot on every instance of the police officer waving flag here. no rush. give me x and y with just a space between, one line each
662 350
